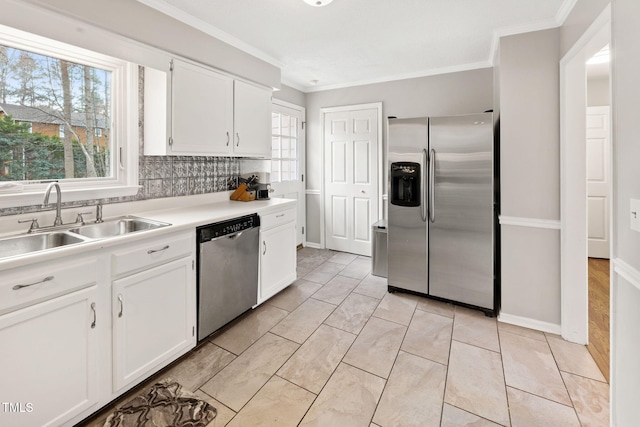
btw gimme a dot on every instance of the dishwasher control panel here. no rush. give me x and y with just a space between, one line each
225 228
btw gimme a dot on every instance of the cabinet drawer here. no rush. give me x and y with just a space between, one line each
277 218
152 252
29 285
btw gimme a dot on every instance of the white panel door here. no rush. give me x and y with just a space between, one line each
598 181
351 176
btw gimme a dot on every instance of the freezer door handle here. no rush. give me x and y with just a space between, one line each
423 185
432 185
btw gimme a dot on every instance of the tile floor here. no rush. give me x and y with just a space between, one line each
335 349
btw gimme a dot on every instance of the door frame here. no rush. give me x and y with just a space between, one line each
574 316
301 211
379 184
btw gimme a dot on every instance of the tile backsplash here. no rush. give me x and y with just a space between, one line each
171 176
165 176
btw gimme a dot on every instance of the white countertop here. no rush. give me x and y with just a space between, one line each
193 212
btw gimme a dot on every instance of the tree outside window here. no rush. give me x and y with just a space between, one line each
68 109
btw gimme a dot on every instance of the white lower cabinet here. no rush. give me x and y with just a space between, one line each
277 253
77 332
153 320
48 360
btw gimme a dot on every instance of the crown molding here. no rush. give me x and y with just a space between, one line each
564 11
405 76
209 29
557 21
178 14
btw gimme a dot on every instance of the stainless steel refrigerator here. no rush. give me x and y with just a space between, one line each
441 208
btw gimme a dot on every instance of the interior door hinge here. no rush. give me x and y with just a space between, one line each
193 264
171 65
193 331
170 140
303 230
303 123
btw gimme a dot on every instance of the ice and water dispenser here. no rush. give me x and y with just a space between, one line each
405 184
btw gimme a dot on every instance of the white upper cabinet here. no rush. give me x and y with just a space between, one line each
201 110
251 120
206 113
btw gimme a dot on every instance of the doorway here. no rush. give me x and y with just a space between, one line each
351 173
573 159
599 175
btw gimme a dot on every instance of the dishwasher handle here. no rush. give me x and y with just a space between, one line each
231 236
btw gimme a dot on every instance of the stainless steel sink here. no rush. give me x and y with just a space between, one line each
21 245
43 240
117 227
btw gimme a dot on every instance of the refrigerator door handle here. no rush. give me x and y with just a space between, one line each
432 185
423 208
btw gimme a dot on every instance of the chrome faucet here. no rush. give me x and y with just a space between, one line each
45 202
99 213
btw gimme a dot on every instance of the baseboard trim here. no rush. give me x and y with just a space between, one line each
313 245
626 271
550 224
527 322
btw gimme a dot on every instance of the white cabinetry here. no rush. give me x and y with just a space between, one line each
153 306
201 110
251 120
50 348
206 113
277 252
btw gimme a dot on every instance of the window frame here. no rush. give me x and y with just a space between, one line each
124 126
295 115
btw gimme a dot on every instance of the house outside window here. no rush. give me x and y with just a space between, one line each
58 114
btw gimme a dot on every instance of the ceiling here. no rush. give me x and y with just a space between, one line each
351 42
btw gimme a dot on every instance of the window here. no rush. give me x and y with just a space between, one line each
284 147
65 99
58 106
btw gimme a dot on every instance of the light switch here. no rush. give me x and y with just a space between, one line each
634 209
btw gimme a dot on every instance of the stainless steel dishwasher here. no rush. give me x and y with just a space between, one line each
227 271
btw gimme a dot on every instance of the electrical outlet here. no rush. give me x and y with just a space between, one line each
634 210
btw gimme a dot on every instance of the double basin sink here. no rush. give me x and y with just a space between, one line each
73 234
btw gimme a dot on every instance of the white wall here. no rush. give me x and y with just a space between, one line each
579 19
289 94
445 94
626 246
598 93
528 96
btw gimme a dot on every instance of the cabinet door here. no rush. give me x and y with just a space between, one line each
153 320
277 260
201 111
48 360
252 120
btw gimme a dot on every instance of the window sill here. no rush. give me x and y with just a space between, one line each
29 198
